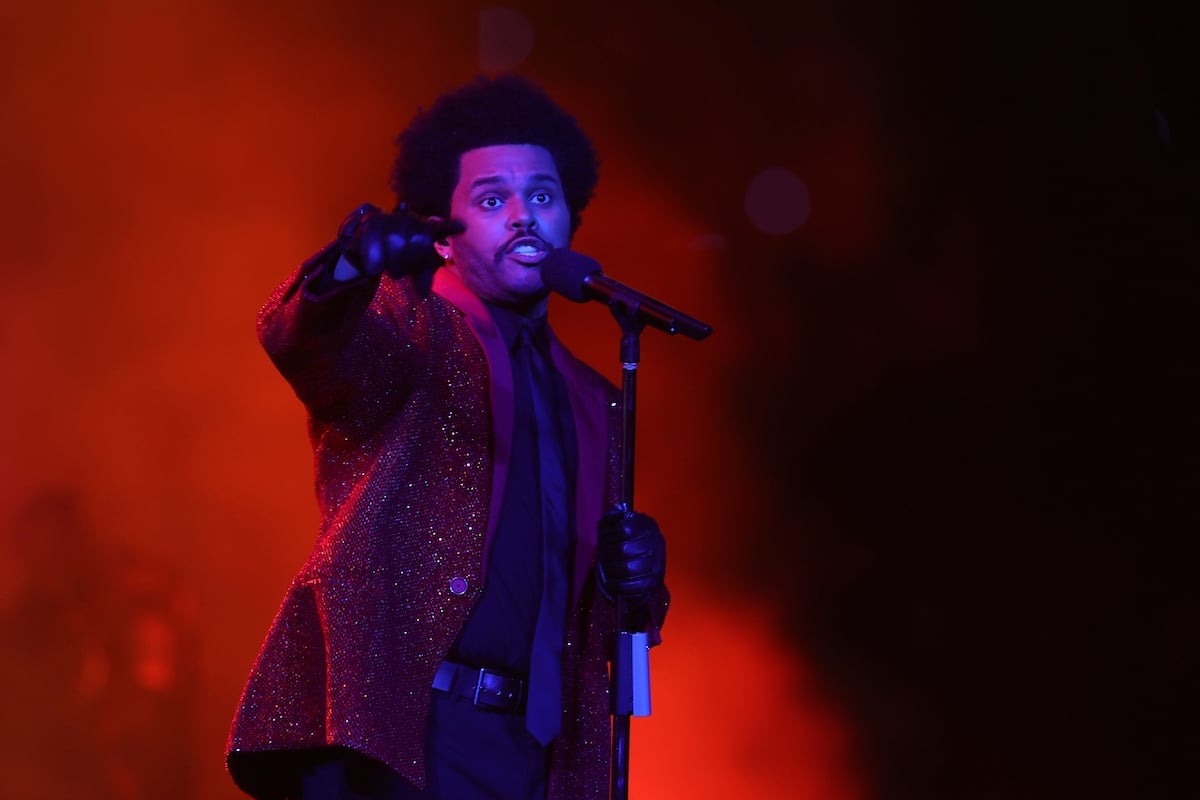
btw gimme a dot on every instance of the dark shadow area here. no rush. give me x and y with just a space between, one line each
987 456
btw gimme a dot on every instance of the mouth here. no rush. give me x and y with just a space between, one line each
528 250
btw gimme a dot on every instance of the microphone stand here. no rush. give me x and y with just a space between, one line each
629 680
625 646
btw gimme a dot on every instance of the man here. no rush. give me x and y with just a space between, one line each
467 469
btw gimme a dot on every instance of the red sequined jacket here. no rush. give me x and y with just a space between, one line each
409 400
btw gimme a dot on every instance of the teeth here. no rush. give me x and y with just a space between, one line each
525 250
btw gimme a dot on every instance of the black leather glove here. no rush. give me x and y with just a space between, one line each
631 556
398 244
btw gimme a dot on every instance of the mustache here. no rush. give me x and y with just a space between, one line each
525 237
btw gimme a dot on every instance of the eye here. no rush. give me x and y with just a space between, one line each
490 202
541 198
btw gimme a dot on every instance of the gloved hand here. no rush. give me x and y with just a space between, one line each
631 556
399 243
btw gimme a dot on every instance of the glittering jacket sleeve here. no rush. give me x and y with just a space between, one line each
408 394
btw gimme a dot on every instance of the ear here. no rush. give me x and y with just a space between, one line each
442 245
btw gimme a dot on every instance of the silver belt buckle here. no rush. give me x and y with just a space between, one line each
478 685
499 694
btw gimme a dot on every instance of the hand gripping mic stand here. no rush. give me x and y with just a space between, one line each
630 677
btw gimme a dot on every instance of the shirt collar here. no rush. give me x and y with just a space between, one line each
510 322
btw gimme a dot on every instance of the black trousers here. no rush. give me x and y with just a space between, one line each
471 754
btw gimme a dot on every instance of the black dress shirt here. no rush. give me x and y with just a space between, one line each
499 633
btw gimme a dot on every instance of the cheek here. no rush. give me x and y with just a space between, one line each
561 225
472 244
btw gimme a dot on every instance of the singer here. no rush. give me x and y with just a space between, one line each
447 636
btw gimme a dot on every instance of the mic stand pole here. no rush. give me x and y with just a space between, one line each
628 647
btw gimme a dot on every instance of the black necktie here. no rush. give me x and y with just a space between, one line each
543 715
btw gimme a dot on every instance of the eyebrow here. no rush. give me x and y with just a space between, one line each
491 180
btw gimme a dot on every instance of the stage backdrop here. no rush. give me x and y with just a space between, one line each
928 488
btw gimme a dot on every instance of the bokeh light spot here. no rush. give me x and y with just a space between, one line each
777 201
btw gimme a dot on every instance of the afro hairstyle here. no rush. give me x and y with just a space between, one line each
508 109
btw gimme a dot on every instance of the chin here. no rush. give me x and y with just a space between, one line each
527 299
530 285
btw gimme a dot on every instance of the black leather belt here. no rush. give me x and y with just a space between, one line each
482 687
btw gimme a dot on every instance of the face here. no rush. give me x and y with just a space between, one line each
511 200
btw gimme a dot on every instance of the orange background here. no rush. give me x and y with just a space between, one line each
902 414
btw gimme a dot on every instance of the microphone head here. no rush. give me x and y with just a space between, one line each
566 272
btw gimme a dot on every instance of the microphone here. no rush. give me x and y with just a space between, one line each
579 278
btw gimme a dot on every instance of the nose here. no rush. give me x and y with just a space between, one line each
523 217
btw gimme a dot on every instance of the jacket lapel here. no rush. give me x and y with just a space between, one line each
447 285
591 436
587 409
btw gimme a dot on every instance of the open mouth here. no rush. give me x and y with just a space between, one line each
528 250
